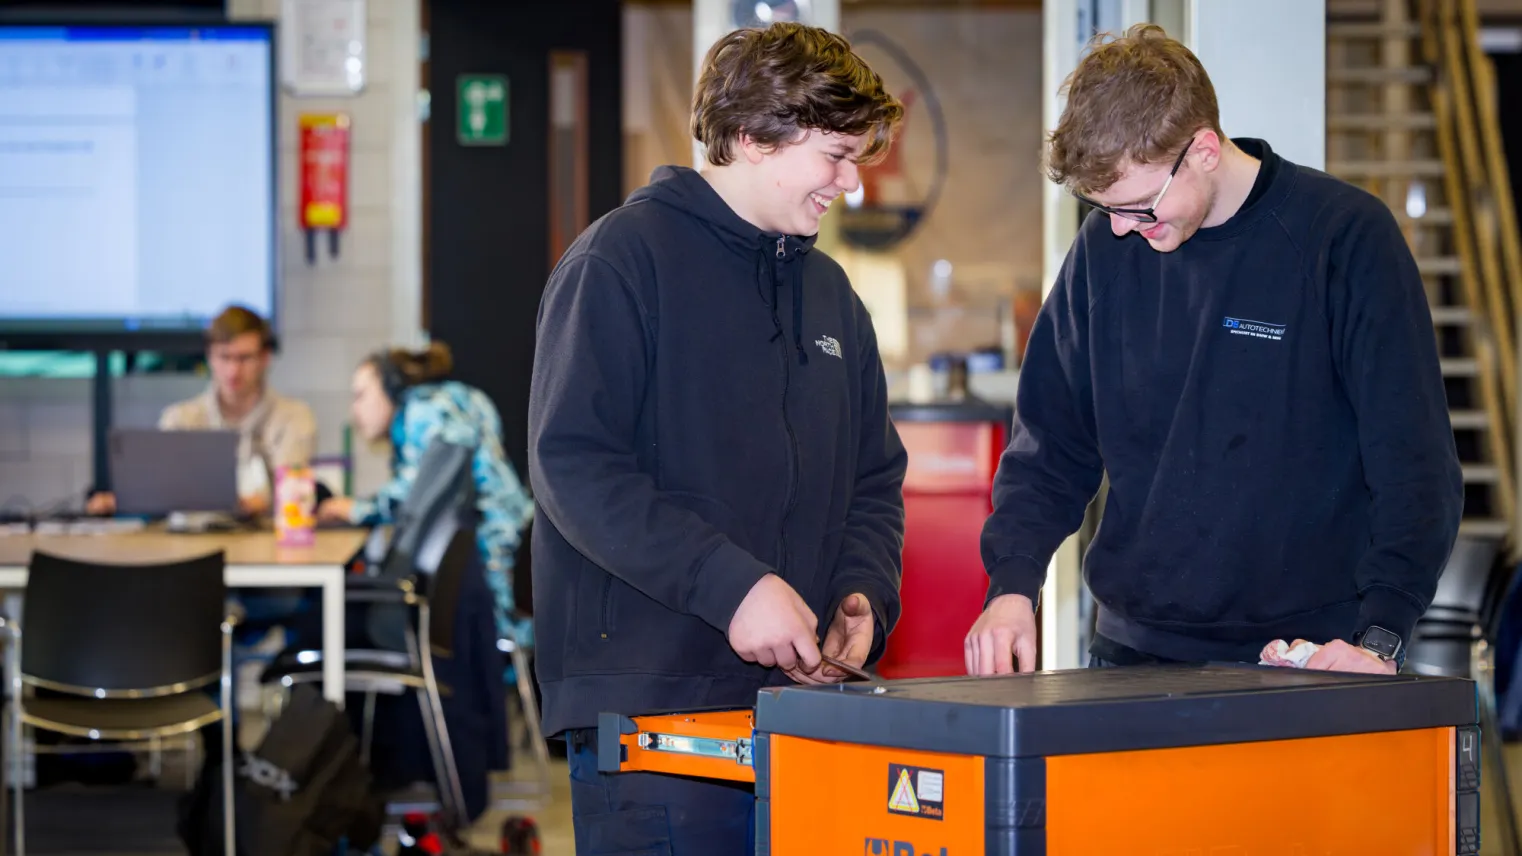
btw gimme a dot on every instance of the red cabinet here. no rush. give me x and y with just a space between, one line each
953 450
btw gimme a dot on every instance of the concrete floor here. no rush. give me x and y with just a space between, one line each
554 819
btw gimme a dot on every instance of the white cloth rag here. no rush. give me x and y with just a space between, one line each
1281 653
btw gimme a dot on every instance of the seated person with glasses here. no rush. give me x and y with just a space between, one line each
274 431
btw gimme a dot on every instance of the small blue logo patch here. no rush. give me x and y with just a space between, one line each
1254 329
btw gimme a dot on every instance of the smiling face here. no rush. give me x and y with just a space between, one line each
1179 200
792 185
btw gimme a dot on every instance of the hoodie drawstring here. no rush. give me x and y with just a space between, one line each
797 277
803 356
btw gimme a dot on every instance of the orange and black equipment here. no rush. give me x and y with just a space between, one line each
1254 761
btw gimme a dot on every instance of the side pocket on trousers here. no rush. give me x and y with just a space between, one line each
636 832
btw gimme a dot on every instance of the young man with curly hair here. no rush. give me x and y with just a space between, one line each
720 486
1245 347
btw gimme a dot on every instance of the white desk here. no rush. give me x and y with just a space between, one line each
253 561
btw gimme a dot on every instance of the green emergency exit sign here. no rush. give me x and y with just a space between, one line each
482 102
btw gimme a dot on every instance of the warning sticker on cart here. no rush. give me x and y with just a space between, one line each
916 791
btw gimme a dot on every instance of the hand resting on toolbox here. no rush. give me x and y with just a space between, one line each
1335 656
1006 627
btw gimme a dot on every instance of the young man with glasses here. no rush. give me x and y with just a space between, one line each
1256 372
273 430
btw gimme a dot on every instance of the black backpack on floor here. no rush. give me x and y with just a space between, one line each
302 792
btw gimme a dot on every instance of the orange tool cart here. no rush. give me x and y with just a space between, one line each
1256 761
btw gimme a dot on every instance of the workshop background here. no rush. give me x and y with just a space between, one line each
952 245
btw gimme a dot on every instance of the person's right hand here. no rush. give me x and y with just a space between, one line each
774 627
254 505
101 504
1006 627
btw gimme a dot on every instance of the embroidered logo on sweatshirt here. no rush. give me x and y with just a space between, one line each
830 345
1255 329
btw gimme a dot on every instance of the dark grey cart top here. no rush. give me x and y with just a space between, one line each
1113 709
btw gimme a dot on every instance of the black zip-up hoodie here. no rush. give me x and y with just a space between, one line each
708 406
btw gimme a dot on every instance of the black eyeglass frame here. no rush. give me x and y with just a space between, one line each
1148 214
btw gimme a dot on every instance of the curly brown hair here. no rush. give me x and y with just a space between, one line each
1136 99
772 83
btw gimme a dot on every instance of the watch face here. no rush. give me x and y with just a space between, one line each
1381 642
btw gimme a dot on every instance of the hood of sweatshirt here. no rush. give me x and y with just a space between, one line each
778 259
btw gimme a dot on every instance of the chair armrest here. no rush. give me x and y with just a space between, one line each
363 581
396 595
377 590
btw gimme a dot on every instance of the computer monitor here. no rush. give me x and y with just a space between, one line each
137 180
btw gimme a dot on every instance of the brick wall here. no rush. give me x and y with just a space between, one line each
330 314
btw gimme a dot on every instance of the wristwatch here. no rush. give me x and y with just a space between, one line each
1381 642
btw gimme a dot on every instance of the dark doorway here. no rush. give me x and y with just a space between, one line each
1508 68
498 211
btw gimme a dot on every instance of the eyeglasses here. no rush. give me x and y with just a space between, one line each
218 355
1148 214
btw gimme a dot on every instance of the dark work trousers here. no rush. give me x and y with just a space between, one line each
649 814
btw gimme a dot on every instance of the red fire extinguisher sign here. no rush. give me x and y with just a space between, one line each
324 178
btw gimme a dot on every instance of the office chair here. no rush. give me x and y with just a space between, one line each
411 595
158 637
1455 638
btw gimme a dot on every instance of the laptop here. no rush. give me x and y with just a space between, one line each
156 473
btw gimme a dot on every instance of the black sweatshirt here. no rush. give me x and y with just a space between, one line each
707 406
1267 403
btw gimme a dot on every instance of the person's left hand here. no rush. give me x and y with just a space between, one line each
1339 656
848 639
335 509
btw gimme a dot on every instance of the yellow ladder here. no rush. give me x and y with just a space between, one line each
1410 119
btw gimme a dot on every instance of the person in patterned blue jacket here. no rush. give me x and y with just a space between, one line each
403 395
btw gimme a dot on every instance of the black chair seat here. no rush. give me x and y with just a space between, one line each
1437 630
365 670
1441 612
294 662
124 719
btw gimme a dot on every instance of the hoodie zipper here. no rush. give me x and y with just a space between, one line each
792 438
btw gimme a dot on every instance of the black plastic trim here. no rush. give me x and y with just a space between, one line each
1467 761
1014 806
1114 710
763 827
761 762
610 750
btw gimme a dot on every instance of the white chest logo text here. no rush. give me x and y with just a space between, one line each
830 345
1255 329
